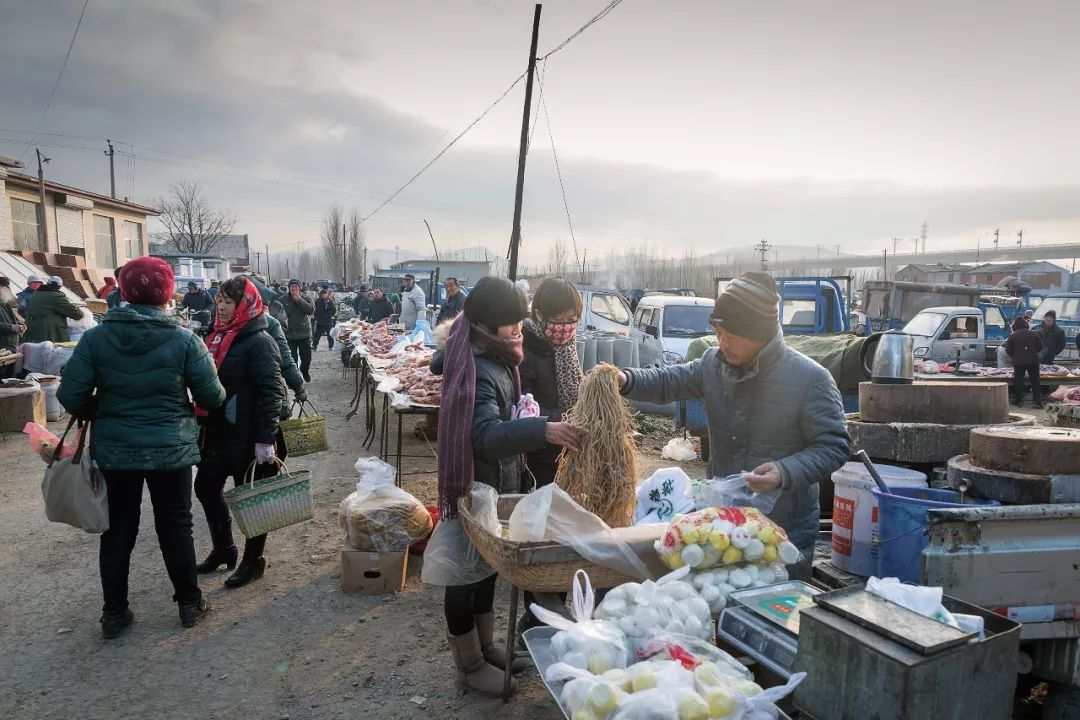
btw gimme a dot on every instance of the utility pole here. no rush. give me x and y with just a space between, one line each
515 233
438 263
112 169
764 247
997 231
268 278
925 228
885 266
894 241
344 258
43 224
1020 238
258 261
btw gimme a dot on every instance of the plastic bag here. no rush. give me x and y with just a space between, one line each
450 558
679 450
665 494
724 536
585 643
732 491
692 653
716 584
551 514
585 694
379 516
916 598
423 328
43 443
653 704
667 605
76 328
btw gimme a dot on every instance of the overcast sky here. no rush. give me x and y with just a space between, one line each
679 125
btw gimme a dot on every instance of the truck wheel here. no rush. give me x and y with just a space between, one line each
1062 704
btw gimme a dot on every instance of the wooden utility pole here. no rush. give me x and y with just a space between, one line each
438 262
344 258
515 233
43 223
112 169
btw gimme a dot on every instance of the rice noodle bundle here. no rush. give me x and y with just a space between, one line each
601 476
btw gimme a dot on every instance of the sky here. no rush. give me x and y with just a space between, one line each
681 126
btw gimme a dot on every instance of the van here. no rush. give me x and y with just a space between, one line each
665 325
604 309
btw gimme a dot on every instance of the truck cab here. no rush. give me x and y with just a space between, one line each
891 304
604 309
952 333
809 305
665 325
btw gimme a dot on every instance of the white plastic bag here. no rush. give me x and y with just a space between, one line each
679 450
667 605
450 558
733 491
583 642
76 328
586 694
665 494
716 584
379 516
551 514
916 598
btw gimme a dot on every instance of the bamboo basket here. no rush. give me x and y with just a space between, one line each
259 506
548 566
304 434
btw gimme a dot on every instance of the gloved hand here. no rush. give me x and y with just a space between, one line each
301 396
264 453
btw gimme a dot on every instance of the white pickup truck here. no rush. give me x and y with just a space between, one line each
950 334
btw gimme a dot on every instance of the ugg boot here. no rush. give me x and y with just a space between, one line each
474 672
223 552
485 629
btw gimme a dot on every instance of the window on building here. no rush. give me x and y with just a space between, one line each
105 241
69 250
25 217
133 239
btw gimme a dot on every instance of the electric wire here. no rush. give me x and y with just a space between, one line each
596 18
558 173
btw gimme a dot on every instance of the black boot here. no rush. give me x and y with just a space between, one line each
113 622
224 552
192 611
249 570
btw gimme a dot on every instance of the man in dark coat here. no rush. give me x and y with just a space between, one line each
1052 336
381 308
196 299
1024 347
299 309
11 325
455 301
325 312
48 314
33 284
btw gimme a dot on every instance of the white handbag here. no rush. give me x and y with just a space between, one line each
74 489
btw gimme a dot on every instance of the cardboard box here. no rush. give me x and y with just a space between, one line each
372 573
21 406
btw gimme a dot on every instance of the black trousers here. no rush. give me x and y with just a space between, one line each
301 355
214 470
1032 372
323 331
463 602
170 495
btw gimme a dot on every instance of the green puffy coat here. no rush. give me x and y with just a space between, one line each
47 315
299 312
141 364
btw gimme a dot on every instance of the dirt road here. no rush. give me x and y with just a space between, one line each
291 645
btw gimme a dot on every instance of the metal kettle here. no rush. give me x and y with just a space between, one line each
893 358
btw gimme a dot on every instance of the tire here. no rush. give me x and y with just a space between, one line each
1062 704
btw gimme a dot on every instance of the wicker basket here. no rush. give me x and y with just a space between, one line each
540 566
260 506
304 434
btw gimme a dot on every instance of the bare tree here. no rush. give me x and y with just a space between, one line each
333 240
191 225
558 259
356 246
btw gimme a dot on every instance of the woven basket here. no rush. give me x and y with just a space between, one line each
260 506
534 566
304 434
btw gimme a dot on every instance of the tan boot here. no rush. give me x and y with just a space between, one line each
485 629
473 671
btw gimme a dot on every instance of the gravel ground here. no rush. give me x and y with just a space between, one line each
291 645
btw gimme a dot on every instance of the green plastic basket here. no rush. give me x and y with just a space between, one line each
260 506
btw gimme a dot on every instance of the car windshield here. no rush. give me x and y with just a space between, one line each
925 323
1067 308
687 321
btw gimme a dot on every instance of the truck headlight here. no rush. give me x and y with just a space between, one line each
672 358
921 351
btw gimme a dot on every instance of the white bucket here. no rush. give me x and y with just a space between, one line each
49 385
855 513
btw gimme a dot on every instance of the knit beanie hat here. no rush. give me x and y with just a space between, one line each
295 282
495 302
147 281
749 307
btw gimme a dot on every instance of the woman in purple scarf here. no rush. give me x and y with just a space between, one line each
482 439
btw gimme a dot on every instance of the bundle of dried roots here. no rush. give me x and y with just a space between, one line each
601 476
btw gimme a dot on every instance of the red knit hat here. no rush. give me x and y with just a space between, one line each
147 281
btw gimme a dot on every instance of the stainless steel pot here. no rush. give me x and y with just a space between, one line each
893 358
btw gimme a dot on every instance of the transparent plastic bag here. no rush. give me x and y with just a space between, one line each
586 694
583 642
724 536
692 653
716 584
450 558
654 704
380 516
733 491
551 514
43 443
667 605
679 450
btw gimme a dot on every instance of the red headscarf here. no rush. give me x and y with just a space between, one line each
249 308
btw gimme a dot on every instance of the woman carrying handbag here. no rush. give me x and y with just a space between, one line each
244 429
132 374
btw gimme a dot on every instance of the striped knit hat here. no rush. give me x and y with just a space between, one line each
749 307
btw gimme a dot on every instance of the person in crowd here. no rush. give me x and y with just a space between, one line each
33 284
49 312
325 313
771 410
113 299
478 441
381 308
455 300
243 432
1028 315
299 309
132 375
1052 336
413 303
362 302
107 288
1024 347
11 323
196 299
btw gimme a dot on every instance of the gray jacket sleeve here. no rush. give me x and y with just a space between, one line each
289 371
828 446
668 384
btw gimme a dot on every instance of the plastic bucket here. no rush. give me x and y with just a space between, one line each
903 527
855 513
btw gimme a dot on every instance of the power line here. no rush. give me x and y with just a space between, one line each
57 83
596 18
558 172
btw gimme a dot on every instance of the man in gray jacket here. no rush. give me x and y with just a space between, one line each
771 410
413 303
299 310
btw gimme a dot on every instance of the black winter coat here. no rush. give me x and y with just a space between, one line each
380 310
1024 347
255 394
497 441
325 312
1054 342
538 377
